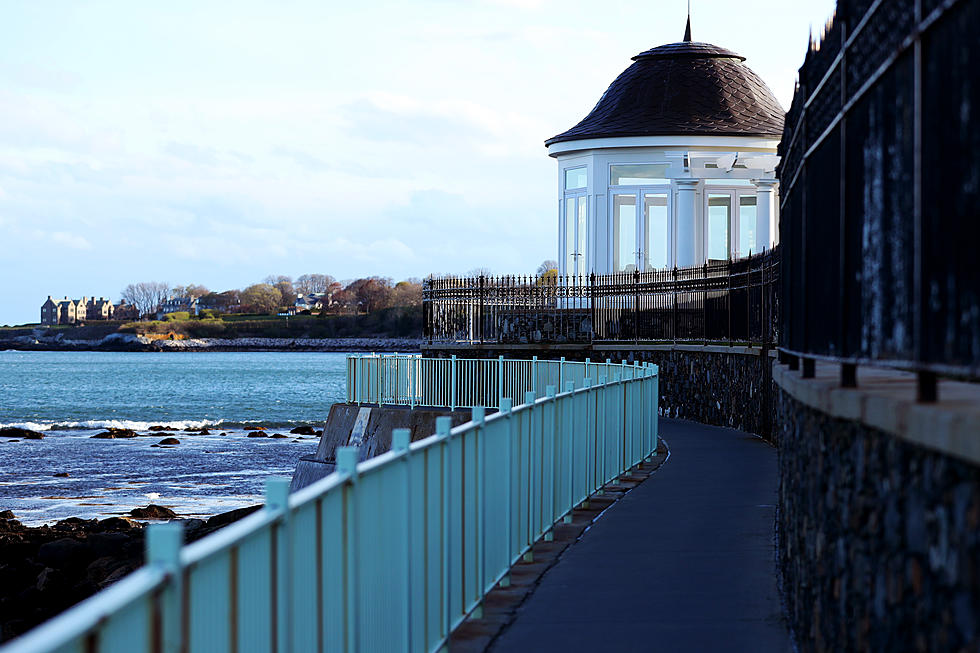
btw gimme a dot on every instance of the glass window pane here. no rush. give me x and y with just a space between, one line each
570 235
624 233
657 247
583 264
746 225
638 175
728 182
576 178
719 217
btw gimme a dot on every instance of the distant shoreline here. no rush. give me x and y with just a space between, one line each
143 344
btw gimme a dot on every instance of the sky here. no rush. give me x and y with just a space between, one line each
220 142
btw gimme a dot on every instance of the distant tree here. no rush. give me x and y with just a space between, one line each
146 296
407 293
313 283
261 298
223 301
479 272
196 291
343 301
372 293
546 266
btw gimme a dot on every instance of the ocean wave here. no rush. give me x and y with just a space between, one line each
139 425
111 424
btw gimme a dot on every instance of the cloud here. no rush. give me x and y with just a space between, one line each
70 240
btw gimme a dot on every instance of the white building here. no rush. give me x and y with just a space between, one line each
674 166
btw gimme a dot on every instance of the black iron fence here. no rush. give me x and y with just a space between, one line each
880 188
721 302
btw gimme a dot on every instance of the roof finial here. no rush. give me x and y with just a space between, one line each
687 30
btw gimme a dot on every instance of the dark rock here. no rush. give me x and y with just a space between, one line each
257 434
75 525
6 514
12 441
192 430
154 446
16 432
115 434
115 524
62 553
303 430
62 475
161 428
169 441
10 526
153 511
226 518
50 580
191 526
205 432
278 436
107 544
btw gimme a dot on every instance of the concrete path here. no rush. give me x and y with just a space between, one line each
684 562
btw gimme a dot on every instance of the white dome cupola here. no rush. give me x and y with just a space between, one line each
674 166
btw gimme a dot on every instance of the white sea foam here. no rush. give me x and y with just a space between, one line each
112 424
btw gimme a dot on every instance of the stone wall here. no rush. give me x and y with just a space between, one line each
879 537
717 385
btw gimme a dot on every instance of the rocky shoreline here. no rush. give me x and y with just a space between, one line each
47 569
40 341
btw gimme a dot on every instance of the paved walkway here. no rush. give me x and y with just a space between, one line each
684 562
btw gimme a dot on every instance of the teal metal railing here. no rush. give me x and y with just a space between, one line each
389 554
410 380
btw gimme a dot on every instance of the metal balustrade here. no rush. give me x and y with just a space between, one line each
392 553
410 380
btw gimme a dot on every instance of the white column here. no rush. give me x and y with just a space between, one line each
685 222
765 227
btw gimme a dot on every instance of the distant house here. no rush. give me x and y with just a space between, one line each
178 305
124 311
63 311
69 311
225 302
49 312
310 302
98 309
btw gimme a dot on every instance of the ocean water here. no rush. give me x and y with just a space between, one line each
70 396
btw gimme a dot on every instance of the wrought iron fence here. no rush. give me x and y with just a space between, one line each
721 301
880 188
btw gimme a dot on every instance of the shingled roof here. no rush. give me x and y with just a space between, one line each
684 88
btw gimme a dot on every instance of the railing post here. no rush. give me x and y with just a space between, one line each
277 500
452 396
534 373
163 542
500 382
533 480
443 426
478 417
506 406
401 440
347 464
552 430
571 427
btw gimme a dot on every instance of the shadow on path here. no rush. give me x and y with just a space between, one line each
684 562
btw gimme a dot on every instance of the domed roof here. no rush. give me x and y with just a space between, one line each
684 88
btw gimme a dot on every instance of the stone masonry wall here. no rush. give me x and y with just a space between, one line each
716 385
879 538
